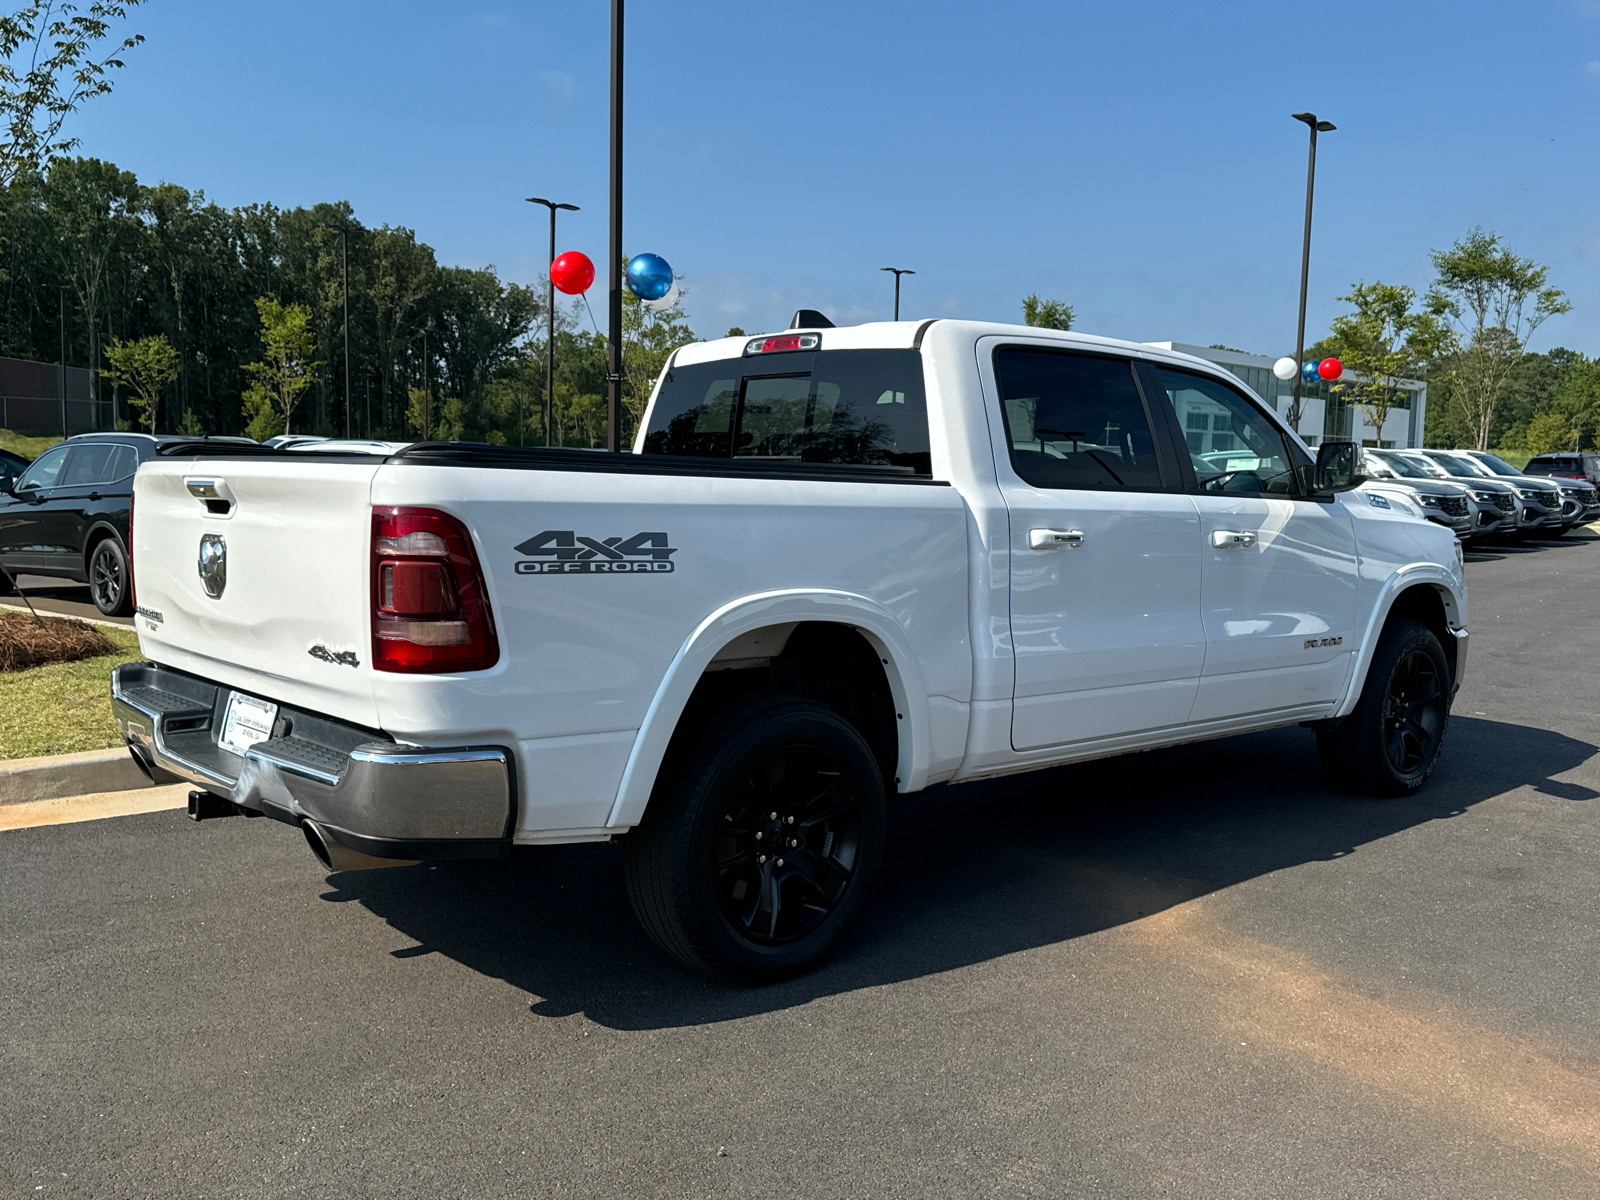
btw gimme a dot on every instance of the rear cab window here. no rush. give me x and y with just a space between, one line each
843 407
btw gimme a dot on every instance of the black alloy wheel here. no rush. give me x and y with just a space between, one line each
766 827
786 844
1390 742
108 578
1413 711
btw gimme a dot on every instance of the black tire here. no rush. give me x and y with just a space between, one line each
1390 744
782 773
108 578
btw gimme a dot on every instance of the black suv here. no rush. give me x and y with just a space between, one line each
66 515
1570 465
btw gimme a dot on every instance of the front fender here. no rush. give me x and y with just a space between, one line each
875 622
1452 592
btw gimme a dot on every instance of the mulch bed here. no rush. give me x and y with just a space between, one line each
23 643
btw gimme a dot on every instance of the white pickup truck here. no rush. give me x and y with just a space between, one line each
839 563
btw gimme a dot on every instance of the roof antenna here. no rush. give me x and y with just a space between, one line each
809 318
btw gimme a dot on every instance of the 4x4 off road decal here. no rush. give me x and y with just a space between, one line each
562 552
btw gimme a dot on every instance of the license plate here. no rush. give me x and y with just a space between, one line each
246 722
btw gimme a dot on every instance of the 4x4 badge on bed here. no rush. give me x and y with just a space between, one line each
563 552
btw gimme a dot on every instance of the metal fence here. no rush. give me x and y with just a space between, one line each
31 401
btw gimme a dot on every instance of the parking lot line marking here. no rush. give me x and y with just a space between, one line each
94 807
1511 1089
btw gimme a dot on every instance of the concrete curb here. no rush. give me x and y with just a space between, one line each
59 775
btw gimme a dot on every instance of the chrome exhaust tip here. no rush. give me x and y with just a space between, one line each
336 856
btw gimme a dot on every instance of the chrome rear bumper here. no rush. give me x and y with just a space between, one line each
369 792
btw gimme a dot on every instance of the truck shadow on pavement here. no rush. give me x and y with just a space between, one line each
972 873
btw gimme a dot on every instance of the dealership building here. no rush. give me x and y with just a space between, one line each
1324 415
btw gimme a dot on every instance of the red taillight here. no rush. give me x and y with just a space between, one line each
1573 477
430 607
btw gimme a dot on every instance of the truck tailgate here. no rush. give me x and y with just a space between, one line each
292 620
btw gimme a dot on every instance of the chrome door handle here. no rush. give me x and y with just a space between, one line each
1051 539
1229 539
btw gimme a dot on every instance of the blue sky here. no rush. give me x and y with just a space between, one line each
1136 159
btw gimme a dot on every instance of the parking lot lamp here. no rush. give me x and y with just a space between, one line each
1316 127
550 334
898 271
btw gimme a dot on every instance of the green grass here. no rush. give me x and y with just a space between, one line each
1515 457
62 707
31 446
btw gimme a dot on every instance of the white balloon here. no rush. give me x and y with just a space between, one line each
1285 369
666 301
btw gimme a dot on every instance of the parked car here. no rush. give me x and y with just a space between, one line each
839 563
1575 498
1541 499
66 515
1447 504
1505 498
1572 464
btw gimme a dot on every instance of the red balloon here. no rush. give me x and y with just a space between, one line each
1328 368
572 272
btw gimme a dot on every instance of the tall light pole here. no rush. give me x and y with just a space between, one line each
1316 127
550 333
344 261
63 370
898 271
614 356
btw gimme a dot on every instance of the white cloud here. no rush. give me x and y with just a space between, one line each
561 85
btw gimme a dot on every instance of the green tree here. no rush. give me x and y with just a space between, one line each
145 367
1549 431
1383 341
1496 300
286 368
51 62
1046 314
649 336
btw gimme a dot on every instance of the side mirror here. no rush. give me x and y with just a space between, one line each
1338 468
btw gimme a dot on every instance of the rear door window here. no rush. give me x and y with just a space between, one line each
89 465
860 407
1075 420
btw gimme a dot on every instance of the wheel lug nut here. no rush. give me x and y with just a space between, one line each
788 820
794 842
758 837
761 858
772 816
780 862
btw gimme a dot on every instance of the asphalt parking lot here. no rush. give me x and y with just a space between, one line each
1191 973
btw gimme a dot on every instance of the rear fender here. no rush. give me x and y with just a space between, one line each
871 619
1451 595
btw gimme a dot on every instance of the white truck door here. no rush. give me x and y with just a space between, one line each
1279 587
1105 548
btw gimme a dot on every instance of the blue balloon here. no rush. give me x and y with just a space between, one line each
650 276
1308 371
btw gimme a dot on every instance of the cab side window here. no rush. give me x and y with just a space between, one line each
1075 420
44 470
1233 446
